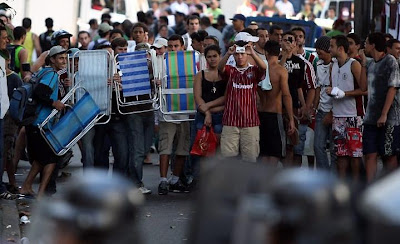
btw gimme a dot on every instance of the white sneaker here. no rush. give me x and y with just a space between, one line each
144 190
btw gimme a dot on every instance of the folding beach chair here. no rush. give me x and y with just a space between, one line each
176 91
95 68
92 102
135 82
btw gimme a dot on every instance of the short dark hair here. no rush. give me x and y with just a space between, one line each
273 28
341 41
175 37
19 32
92 21
26 23
250 31
205 21
199 36
118 42
260 29
272 48
298 28
214 38
390 43
165 19
377 38
355 38
192 17
83 32
141 25
113 31
105 16
48 22
388 35
212 48
115 24
288 33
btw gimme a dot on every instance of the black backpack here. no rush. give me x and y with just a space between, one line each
12 50
22 105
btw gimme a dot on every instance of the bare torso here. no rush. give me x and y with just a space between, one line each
271 101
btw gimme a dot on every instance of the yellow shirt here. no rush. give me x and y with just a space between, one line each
28 44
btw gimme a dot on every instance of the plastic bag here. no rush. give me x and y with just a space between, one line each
205 143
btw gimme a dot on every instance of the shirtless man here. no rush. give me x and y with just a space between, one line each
272 131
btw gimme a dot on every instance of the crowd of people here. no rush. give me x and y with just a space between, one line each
267 98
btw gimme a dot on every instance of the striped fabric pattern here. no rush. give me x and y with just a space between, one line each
72 123
93 75
135 73
181 69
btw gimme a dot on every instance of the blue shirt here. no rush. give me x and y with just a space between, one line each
51 80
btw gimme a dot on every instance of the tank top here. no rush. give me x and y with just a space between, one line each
343 78
28 44
211 90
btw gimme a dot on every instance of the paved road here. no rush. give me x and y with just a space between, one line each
162 219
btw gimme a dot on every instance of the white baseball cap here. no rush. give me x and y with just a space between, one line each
246 37
160 42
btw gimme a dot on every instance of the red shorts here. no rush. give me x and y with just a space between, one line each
347 136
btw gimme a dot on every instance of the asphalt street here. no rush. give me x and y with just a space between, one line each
162 219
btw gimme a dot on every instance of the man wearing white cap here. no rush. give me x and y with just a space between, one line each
241 39
160 45
104 33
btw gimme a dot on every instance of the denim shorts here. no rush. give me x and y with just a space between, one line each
216 121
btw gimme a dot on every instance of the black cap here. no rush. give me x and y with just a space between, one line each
239 17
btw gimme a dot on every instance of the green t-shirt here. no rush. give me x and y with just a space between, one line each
333 33
215 13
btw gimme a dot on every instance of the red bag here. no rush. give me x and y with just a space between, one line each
205 143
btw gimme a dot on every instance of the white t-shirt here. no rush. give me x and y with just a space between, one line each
323 71
286 8
179 7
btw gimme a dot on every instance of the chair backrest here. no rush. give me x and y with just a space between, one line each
135 73
94 69
180 72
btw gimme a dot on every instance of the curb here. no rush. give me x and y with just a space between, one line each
10 232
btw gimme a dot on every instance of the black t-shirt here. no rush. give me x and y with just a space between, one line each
13 82
295 67
212 90
45 40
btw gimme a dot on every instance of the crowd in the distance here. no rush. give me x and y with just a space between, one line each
267 98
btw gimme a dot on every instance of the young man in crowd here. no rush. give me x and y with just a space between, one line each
310 61
347 124
192 26
323 104
262 39
393 48
46 94
84 39
104 33
240 131
382 119
272 131
170 132
296 69
45 37
276 34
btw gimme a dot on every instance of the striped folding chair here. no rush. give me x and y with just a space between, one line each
177 89
92 102
135 82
